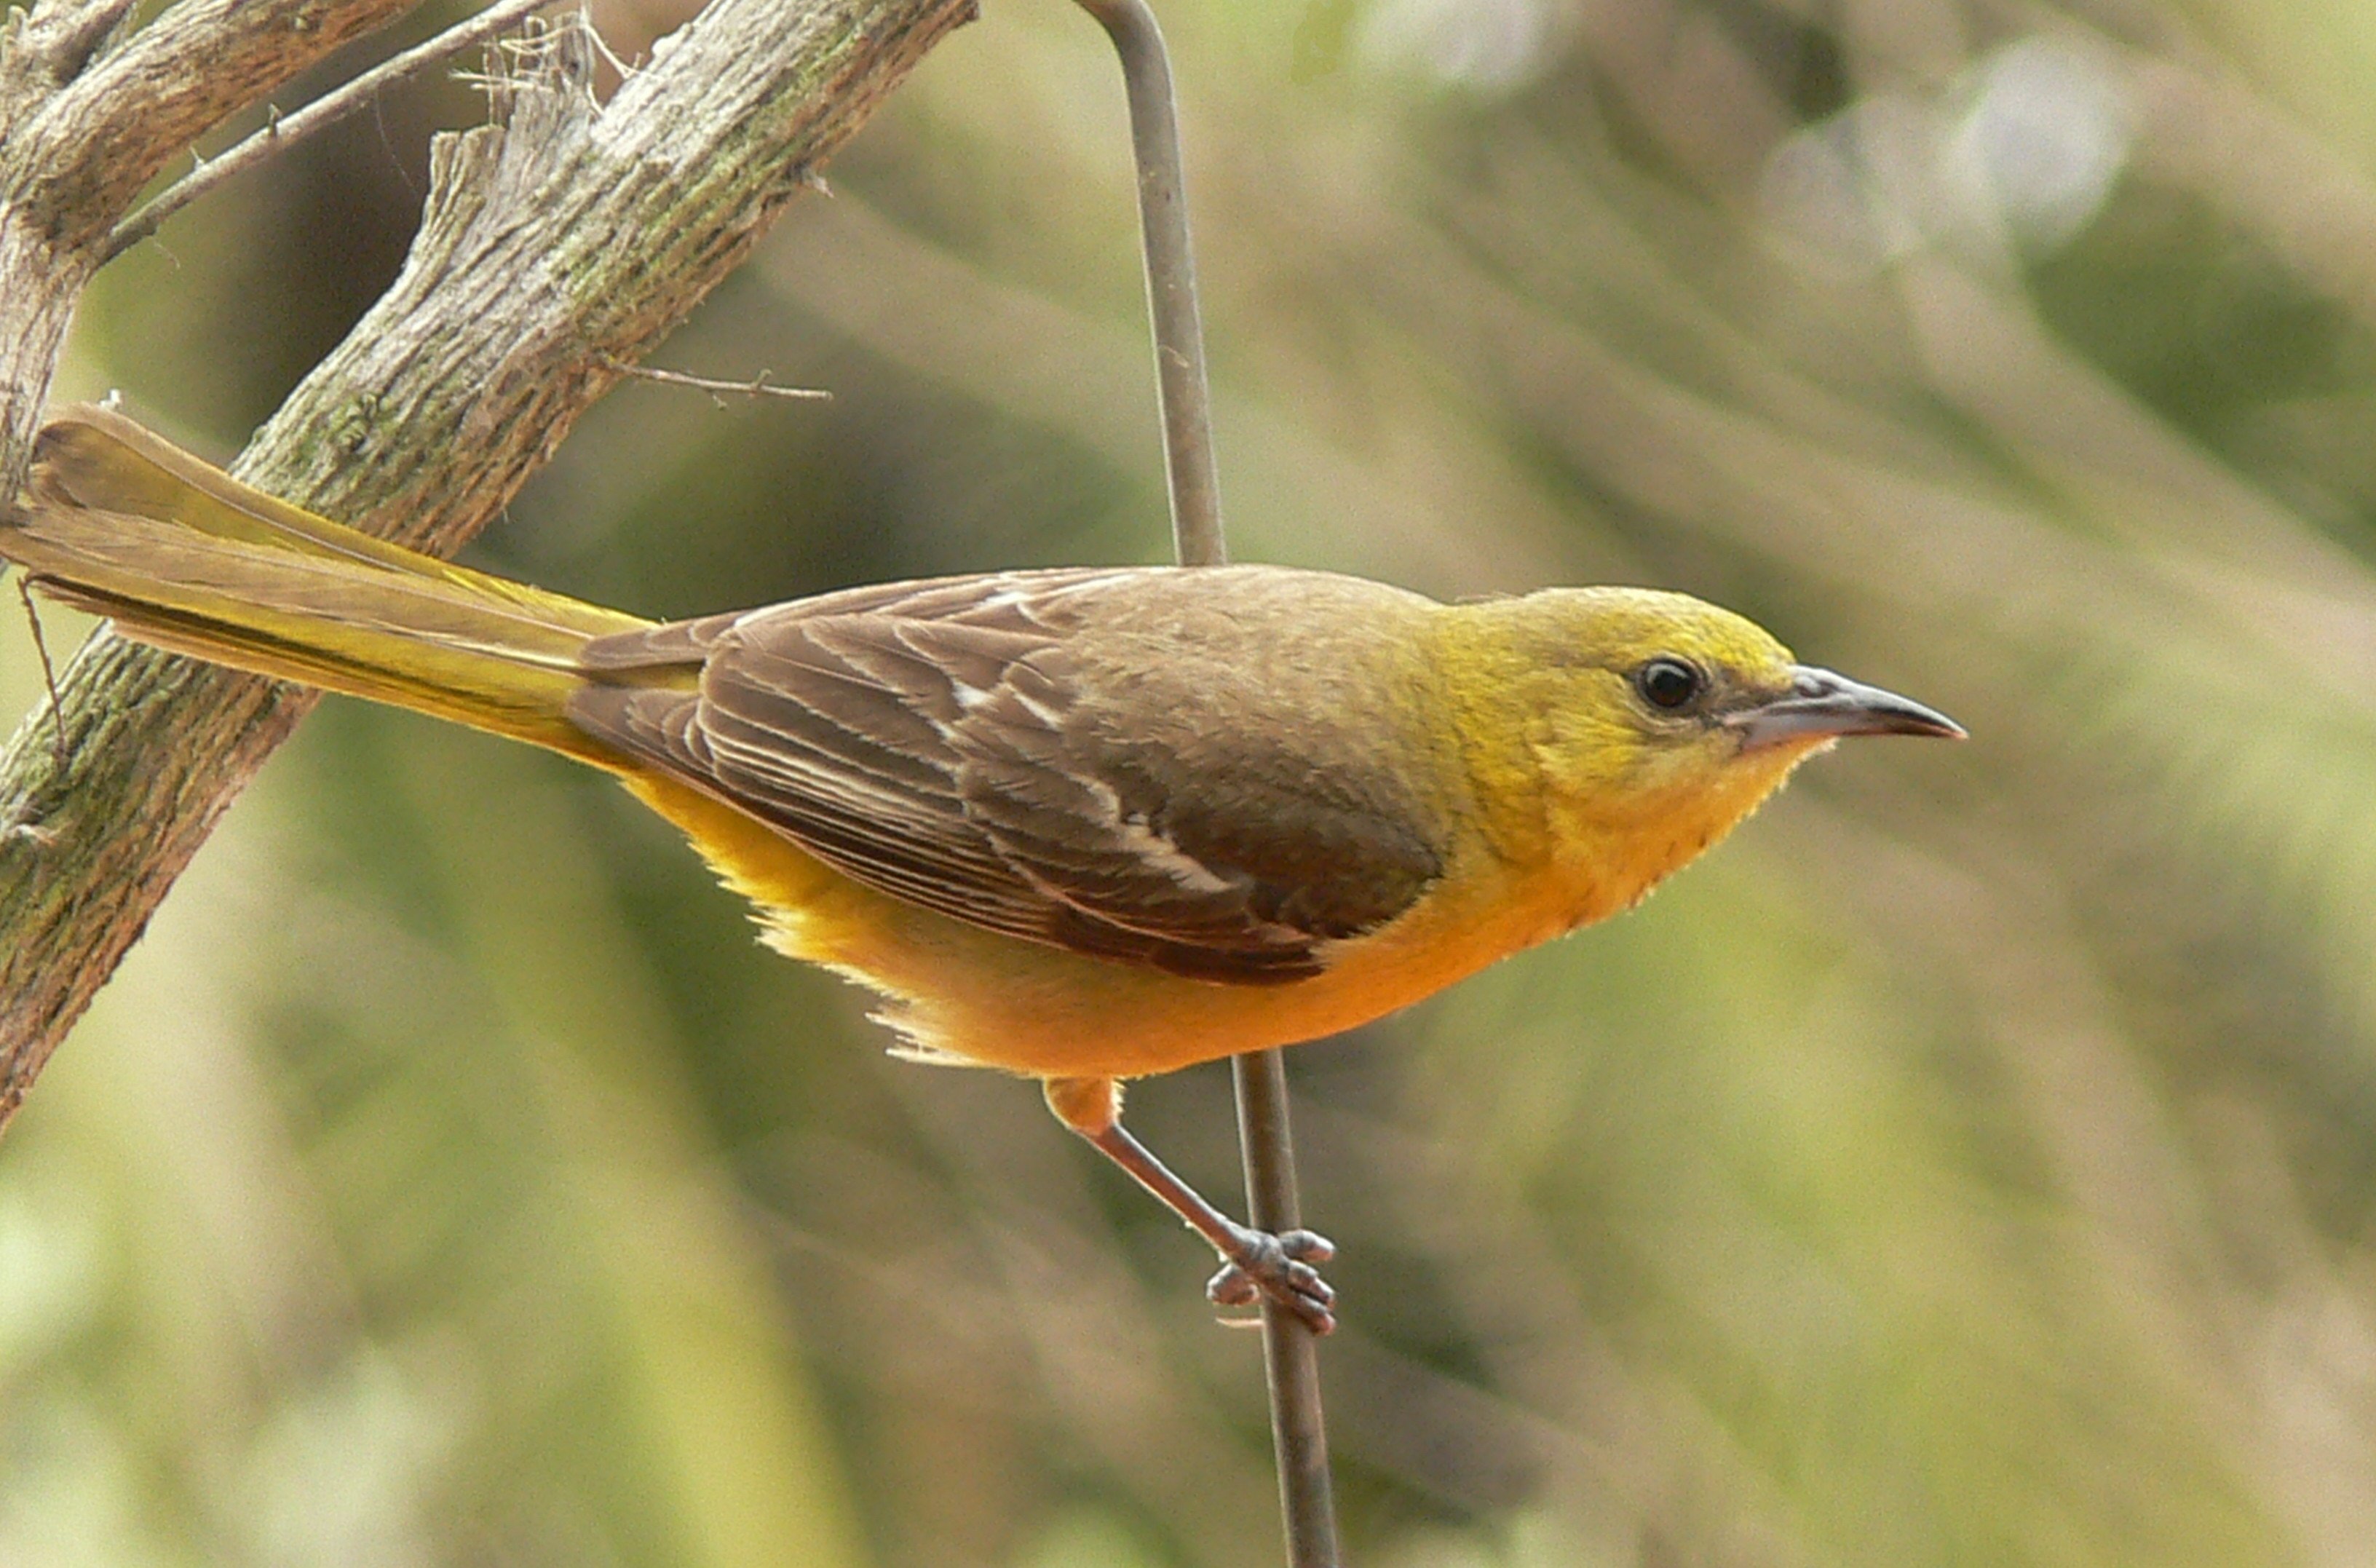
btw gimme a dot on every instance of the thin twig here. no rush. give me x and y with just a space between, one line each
279 132
757 387
49 672
610 56
1290 1351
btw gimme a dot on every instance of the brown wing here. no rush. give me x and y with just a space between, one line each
1082 758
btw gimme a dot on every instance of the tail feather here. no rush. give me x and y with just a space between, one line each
182 556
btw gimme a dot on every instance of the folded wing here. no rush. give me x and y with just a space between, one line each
1126 764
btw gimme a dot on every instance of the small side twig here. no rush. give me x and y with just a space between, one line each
280 133
757 387
608 55
49 672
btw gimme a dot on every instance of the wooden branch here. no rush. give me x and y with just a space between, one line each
88 115
555 246
350 98
125 113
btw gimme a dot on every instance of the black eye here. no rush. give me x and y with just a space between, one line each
1667 683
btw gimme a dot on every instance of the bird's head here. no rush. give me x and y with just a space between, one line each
1655 721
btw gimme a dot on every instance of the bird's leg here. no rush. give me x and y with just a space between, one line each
1255 1262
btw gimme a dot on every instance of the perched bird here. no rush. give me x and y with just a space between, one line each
1084 825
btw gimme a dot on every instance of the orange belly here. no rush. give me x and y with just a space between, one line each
960 993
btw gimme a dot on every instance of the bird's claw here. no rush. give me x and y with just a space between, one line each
1279 1267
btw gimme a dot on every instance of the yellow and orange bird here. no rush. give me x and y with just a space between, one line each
1084 825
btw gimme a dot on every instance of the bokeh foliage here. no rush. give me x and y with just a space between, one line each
1970 1164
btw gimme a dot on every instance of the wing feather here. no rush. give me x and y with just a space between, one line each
971 745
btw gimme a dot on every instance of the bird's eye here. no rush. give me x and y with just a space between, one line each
1667 683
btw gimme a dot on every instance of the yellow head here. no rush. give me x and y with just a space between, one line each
1650 722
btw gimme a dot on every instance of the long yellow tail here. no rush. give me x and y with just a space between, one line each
179 553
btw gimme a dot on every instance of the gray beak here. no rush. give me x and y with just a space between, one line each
1823 705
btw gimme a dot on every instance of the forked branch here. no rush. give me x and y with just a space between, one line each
557 244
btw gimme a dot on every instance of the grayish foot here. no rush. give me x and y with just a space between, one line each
1279 1267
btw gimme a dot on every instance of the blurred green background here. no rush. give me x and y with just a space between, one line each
1970 1164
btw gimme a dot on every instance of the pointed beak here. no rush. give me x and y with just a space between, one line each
1822 706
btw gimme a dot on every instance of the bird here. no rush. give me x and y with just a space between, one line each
1081 825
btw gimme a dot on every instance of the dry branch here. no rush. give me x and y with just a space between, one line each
88 116
349 98
555 245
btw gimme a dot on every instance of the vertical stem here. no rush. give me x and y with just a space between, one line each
1290 1352
1299 1432
1170 281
